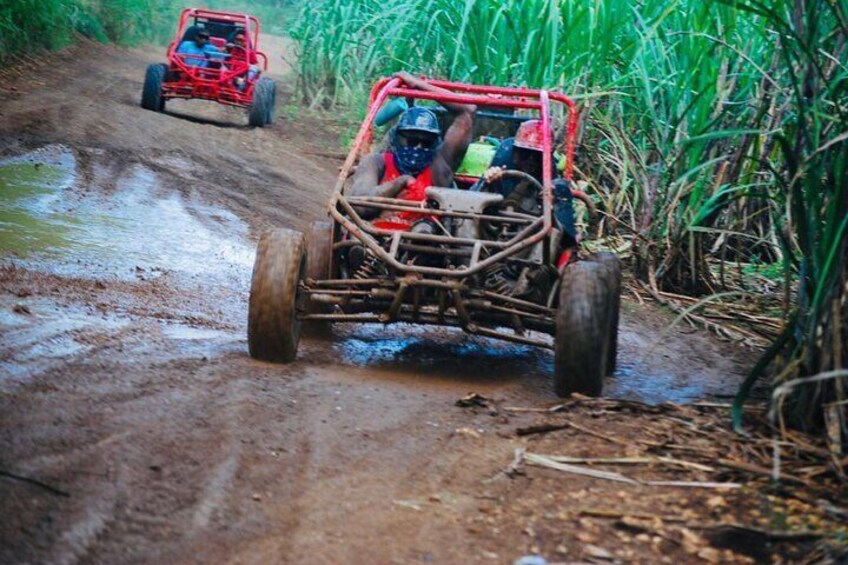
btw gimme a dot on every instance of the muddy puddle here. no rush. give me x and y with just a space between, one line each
137 231
31 187
428 353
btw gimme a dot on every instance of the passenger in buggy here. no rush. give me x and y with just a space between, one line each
524 153
199 50
241 55
418 157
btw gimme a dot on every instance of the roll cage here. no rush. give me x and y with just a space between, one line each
481 253
214 81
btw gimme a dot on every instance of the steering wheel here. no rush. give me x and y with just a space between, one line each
482 186
492 231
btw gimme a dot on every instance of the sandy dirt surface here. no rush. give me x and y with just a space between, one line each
126 387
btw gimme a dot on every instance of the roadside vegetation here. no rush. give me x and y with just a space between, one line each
34 25
715 137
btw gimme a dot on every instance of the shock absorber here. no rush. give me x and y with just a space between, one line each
367 268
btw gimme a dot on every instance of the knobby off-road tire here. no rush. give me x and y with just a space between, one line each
151 94
583 321
262 109
273 330
319 247
612 266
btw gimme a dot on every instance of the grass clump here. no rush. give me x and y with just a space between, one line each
810 175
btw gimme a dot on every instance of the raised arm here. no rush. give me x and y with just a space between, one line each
457 139
420 84
458 136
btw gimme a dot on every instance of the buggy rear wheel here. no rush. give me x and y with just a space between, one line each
583 321
612 265
319 247
273 330
151 94
262 109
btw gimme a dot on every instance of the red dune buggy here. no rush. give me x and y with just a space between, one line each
227 69
487 268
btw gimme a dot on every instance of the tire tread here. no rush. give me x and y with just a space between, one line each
151 94
582 330
273 330
262 109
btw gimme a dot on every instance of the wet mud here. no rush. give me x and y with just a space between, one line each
127 242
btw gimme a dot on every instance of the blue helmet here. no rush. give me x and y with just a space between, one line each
419 119
411 160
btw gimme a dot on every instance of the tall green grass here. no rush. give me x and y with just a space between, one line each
672 94
810 172
32 25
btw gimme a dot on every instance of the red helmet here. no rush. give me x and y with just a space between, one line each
530 135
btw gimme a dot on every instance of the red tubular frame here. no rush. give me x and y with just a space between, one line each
498 92
213 84
419 293
343 213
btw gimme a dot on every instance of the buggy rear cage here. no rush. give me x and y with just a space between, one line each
250 25
481 253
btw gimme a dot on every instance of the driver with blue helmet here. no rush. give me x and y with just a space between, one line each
418 157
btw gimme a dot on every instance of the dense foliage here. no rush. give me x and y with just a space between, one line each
675 95
28 25
809 170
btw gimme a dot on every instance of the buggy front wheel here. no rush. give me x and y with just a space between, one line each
319 248
262 108
273 330
583 319
612 266
151 94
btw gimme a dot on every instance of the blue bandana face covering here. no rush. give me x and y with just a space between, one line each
412 160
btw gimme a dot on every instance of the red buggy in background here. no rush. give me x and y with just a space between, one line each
231 76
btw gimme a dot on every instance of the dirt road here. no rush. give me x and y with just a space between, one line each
127 240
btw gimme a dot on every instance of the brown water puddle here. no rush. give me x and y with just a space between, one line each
31 188
135 229
418 352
